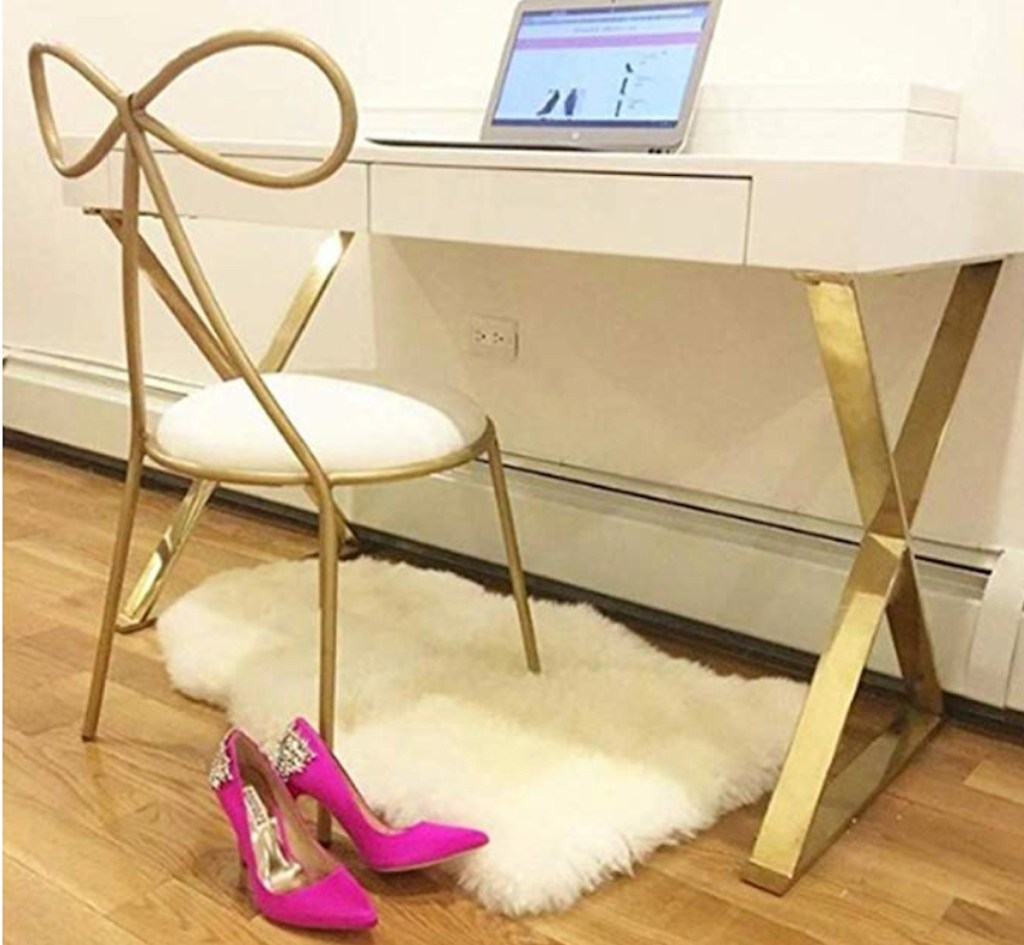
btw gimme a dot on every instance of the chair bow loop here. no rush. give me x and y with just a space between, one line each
132 108
101 147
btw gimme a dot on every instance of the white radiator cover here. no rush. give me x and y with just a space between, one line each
772 578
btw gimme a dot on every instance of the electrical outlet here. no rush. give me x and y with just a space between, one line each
496 338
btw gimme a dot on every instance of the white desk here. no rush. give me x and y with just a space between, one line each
826 221
800 215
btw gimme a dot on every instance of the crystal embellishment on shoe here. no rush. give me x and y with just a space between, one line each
293 754
220 767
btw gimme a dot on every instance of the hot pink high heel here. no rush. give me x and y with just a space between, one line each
307 767
293 880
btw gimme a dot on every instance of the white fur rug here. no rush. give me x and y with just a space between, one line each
577 774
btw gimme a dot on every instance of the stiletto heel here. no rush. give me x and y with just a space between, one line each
292 879
306 766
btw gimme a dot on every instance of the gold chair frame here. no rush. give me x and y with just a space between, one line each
212 334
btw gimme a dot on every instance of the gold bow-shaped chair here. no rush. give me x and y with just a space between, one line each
434 433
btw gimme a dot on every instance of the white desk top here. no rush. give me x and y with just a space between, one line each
829 216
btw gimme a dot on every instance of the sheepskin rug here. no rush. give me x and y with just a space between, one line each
576 774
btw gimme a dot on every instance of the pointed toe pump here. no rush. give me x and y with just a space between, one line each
308 767
292 879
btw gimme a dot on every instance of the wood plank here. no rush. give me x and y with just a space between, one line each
136 663
939 779
174 912
815 907
73 780
28 704
40 913
85 863
999 779
652 908
987 924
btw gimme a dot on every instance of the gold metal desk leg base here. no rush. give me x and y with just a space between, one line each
846 795
808 808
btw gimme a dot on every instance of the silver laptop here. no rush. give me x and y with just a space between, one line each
602 75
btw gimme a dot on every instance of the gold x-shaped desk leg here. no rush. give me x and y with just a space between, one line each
138 604
808 810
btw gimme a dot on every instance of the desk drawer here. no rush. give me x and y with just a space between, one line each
696 218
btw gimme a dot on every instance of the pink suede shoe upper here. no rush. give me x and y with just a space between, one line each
308 767
336 901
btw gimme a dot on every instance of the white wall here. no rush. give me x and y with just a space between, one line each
670 375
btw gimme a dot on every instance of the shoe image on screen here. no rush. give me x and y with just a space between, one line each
601 67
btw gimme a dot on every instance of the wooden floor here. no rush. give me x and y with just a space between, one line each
120 842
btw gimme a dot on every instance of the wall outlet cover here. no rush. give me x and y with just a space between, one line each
496 338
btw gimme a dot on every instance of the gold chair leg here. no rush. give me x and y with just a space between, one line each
808 811
115 585
515 564
142 598
329 544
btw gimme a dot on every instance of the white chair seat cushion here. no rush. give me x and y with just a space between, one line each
349 424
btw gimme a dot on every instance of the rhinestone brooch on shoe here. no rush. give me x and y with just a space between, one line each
220 768
292 754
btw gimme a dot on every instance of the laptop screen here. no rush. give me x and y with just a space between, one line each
608 67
